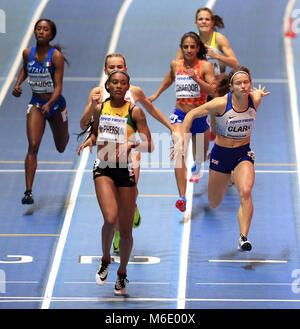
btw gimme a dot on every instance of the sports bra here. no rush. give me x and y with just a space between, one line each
233 124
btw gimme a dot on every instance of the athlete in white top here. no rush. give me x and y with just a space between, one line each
235 114
219 51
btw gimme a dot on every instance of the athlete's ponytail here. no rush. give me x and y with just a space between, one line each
218 20
222 88
224 81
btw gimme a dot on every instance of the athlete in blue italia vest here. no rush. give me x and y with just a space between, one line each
43 66
235 114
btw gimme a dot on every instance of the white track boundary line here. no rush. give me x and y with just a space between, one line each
13 71
292 86
185 242
293 92
83 160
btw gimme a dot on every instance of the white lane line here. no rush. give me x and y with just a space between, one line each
19 282
244 284
185 242
293 94
292 85
154 299
131 282
13 71
247 261
7 171
83 160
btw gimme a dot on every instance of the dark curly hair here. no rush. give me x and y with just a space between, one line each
202 49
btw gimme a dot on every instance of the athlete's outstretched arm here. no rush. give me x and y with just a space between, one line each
150 108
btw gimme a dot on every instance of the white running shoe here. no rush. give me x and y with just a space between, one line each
120 286
101 274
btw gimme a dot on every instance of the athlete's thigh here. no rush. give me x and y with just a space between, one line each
59 126
35 124
244 175
106 193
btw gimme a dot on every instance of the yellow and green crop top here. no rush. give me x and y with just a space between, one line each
116 124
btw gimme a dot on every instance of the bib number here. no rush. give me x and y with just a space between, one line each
112 129
186 87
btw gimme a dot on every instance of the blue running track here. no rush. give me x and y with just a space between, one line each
49 252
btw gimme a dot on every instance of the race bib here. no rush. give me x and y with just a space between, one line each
41 83
186 87
239 128
112 129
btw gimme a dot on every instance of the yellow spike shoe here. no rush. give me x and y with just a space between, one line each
116 242
137 218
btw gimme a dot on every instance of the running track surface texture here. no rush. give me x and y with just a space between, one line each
49 252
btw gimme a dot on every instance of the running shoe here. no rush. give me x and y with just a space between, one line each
181 204
197 172
196 168
116 242
195 178
137 218
120 286
28 198
244 244
101 274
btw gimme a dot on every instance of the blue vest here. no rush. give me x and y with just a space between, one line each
41 75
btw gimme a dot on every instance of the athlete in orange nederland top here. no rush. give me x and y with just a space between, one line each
194 79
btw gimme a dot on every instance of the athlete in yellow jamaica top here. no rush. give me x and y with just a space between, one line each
105 130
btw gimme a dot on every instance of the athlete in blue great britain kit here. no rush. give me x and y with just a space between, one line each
43 65
235 114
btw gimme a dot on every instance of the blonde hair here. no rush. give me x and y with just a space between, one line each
114 55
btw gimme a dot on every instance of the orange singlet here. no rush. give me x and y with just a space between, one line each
187 89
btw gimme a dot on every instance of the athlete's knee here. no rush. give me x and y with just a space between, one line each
125 231
214 201
62 146
110 222
245 192
33 148
126 235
